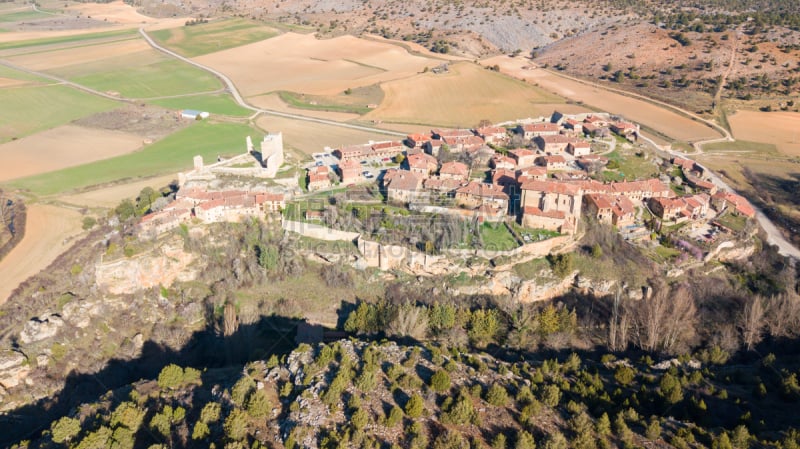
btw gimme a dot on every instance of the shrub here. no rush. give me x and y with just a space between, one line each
556 440
65 429
359 419
236 425
210 413
460 412
414 406
497 396
551 395
524 440
450 439
499 441
653 431
440 381
201 431
127 415
624 375
170 377
258 405
395 416
241 390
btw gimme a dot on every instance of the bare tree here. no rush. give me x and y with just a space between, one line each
752 321
783 318
618 324
665 320
230 321
409 321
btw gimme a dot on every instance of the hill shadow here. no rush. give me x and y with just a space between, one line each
205 349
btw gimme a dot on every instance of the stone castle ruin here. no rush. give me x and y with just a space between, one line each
262 163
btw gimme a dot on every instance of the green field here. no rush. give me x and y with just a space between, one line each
7 72
742 146
354 101
65 39
222 104
169 155
631 167
27 110
496 237
160 78
18 16
214 36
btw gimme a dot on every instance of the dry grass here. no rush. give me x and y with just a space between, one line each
309 137
463 97
108 197
656 117
80 55
62 147
47 235
781 129
303 64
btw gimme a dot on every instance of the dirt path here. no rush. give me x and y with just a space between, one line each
718 93
47 233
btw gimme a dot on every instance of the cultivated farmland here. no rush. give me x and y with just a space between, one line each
214 36
781 129
464 96
27 110
222 104
169 155
62 147
302 63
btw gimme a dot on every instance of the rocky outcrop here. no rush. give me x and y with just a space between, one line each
160 267
41 328
14 369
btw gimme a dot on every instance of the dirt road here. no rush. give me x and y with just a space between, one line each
47 231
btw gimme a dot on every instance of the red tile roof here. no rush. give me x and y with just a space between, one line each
483 190
552 187
454 168
530 210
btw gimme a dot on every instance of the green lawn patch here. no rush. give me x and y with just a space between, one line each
741 146
733 222
158 79
27 110
169 155
214 36
496 237
666 253
532 269
630 167
8 72
66 39
221 104
353 101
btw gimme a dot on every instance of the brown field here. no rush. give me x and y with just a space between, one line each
113 12
47 232
302 63
309 137
80 55
274 102
464 96
656 117
416 48
108 197
10 82
781 129
62 147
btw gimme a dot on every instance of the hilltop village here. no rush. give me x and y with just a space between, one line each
537 177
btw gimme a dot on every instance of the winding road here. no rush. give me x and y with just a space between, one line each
241 102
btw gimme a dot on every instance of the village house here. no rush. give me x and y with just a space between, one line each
314 215
442 186
591 129
552 162
350 172
531 174
537 129
595 120
674 209
458 144
642 190
551 205
433 146
318 178
573 125
618 211
477 194
443 133
170 217
403 186
624 129
556 144
592 162
523 157
417 140
374 151
579 148
492 134
422 163
504 178
500 161
234 208
454 170
738 203
570 176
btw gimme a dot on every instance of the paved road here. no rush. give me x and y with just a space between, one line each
238 97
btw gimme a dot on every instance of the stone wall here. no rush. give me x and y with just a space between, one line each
388 257
318 231
536 249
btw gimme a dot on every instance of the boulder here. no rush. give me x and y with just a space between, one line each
41 328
